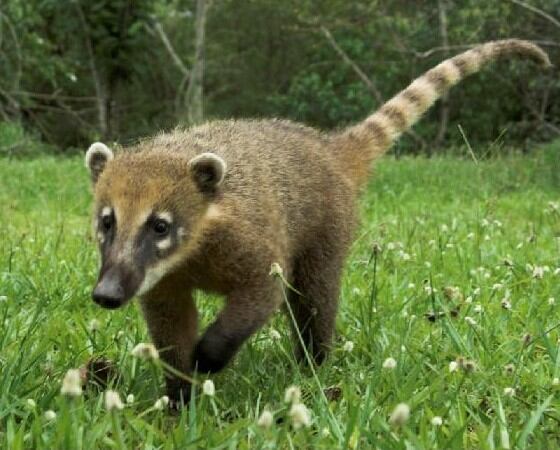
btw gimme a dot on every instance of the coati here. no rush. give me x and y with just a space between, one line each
213 206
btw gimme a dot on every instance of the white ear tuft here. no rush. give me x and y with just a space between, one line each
208 171
97 156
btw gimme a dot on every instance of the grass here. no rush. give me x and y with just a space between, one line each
486 229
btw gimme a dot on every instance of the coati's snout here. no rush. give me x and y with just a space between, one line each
116 286
148 216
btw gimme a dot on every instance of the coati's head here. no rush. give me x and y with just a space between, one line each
150 208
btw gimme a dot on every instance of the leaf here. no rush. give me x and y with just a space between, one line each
533 422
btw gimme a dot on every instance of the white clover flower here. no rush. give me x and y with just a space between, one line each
161 403
411 286
428 264
557 271
3 298
470 235
348 346
476 291
477 308
551 301
292 394
113 400
556 381
432 242
497 286
437 421
356 291
391 246
266 419
484 223
158 405
208 388
400 415
94 325
509 392
325 432
30 403
404 256
449 245
145 351
453 366
470 321
72 383
468 300
130 399
276 270
49 415
506 304
300 415
389 363
538 272
444 228
274 334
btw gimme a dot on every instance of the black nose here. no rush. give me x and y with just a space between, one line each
109 293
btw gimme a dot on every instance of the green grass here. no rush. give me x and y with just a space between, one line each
441 223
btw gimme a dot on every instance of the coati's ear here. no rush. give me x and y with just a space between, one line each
97 156
208 171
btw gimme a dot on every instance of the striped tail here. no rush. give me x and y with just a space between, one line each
360 144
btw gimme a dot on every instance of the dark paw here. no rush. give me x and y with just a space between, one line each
179 393
205 361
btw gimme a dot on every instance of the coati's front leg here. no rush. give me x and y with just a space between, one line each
172 323
246 310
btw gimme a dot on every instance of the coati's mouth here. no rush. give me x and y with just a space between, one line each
116 286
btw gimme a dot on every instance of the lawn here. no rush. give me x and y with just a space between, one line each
462 291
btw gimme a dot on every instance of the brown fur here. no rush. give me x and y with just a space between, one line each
288 196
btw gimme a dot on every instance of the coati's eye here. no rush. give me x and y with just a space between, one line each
161 227
107 222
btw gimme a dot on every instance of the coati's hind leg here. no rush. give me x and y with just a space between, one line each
172 323
246 310
316 276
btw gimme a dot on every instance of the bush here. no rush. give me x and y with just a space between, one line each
16 141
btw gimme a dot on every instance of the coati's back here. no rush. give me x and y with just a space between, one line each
277 171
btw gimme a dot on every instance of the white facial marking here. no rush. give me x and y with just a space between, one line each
164 245
155 273
106 211
181 232
213 212
164 215
100 237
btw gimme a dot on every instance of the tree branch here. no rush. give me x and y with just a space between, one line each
99 88
444 105
158 28
537 11
365 79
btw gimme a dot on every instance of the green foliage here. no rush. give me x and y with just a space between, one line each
265 58
15 141
445 222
